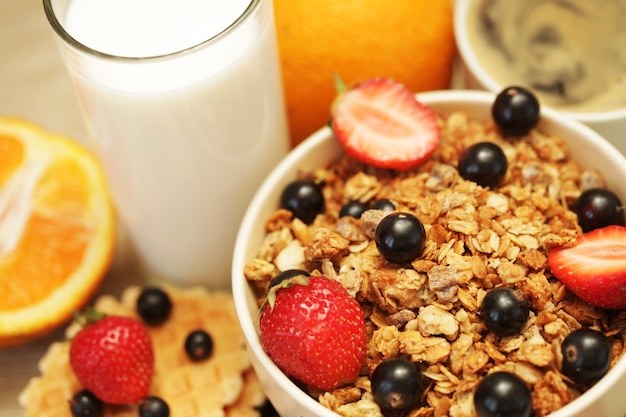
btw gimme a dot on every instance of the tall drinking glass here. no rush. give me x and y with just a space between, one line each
184 103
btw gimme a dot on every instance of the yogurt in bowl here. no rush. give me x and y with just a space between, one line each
423 312
570 53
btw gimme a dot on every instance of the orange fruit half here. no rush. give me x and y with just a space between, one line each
56 230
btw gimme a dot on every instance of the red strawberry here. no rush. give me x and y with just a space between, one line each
114 359
314 331
380 122
595 267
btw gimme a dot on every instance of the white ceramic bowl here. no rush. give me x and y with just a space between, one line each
605 399
476 75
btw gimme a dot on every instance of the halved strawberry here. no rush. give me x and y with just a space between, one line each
380 122
595 267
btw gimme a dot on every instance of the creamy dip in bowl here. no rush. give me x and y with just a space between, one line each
571 53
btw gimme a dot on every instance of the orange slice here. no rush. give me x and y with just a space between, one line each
56 230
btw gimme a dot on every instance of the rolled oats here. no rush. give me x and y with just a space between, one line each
476 239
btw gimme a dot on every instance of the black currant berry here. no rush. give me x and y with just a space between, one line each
504 312
153 407
287 274
484 163
586 355
384 205
400 237
353 209
597 208
397 385
267 409
198 345
502 394
153 306
304 199
515 111
84 403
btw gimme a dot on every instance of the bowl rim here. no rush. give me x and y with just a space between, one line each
239 283
323 136
466 52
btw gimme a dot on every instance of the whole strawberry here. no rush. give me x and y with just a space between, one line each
314 331
113 358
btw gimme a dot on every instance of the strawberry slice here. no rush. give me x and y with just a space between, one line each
595 267
379 122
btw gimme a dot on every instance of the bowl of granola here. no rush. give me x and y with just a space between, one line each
452 265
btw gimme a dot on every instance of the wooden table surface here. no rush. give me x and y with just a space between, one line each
33 81
35 85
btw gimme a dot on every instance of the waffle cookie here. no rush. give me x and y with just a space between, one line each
224 385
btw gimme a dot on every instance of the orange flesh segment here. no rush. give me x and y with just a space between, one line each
47 255
54 239
57 230
12 152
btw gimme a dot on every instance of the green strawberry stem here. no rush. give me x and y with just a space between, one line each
86 318
271 294
340 85
341 88
89 316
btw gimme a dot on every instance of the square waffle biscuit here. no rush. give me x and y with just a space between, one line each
224 385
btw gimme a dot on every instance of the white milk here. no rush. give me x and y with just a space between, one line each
186 139
136 28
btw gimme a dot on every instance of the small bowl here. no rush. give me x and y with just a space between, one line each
479 74
604 399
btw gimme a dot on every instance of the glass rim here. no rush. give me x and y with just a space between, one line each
73 42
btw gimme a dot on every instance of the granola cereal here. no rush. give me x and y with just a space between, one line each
476 239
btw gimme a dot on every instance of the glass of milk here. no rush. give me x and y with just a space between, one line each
184 103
